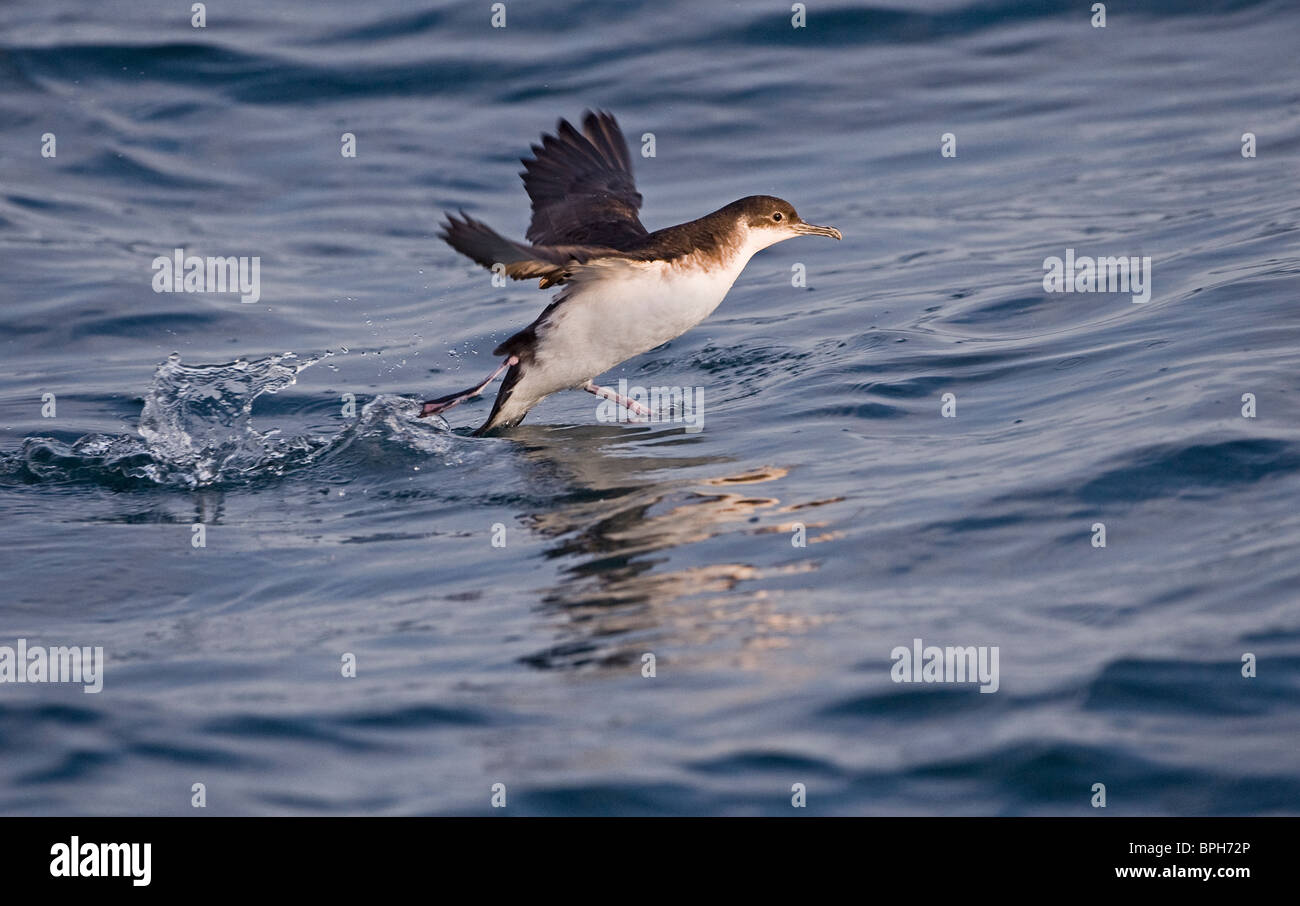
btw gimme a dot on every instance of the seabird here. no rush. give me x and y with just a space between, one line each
626 290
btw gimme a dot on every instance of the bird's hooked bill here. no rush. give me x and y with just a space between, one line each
812 229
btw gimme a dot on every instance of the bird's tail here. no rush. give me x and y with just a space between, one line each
511 406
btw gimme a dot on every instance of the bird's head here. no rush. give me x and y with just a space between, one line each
770 220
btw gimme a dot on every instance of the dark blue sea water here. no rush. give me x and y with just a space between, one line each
330 533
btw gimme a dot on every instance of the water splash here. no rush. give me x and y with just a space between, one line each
197 418
196 430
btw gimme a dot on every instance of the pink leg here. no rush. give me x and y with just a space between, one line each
630 405
443 403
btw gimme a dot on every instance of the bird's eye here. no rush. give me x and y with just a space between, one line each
777 216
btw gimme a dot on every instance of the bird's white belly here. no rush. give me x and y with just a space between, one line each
631 311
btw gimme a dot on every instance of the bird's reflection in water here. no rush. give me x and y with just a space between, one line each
627 508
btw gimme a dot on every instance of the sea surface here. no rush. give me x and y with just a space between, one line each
235 500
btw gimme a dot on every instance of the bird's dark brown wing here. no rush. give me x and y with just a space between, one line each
550 264
581 187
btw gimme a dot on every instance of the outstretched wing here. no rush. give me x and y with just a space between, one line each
550 264
581 187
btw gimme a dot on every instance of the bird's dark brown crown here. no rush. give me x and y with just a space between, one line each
714 235
762 211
